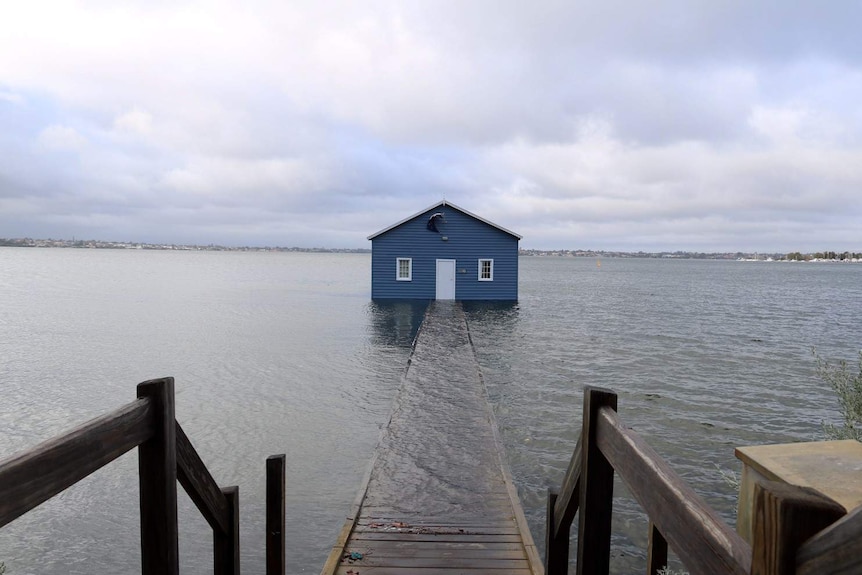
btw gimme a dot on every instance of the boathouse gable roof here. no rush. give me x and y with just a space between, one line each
438 205
444 252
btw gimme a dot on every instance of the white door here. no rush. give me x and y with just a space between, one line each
445 279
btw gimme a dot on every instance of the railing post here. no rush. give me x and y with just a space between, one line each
157 471
226 545
784 517
656 551
275 486
556 548
597 490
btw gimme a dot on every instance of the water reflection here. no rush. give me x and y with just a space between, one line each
396 322
503 314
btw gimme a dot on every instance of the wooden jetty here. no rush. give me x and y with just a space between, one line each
438 497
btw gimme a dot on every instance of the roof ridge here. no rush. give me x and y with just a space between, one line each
444 202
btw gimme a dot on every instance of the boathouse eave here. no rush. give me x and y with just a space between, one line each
441 204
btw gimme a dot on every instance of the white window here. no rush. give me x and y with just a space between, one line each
404 269
486 270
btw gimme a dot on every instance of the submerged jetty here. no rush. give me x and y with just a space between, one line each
438 495
438 498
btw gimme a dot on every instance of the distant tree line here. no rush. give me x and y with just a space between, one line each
796 256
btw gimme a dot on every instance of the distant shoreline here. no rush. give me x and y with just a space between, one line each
842 257
847 257
104 245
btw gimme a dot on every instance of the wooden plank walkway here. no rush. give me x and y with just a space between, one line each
438 498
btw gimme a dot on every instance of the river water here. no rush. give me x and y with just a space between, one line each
285 353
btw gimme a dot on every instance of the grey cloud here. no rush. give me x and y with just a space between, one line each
701 123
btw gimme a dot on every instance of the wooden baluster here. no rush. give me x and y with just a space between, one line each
597 490
226 545
157 470
275 487
656 551
556 545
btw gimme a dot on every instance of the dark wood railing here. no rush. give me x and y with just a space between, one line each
165 456
796 530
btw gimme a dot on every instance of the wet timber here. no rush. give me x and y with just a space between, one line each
438 497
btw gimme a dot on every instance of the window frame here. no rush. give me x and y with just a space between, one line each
398 276
490 278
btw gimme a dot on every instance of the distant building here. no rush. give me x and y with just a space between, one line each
444 252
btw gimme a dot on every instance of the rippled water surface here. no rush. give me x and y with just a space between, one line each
284 353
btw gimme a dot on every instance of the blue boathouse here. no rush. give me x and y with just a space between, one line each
444 252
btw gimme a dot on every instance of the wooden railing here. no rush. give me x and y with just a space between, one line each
165 455
796 530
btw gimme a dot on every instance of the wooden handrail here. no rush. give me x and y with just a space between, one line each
703 542
567 501
836 549
796 529
199 484
34 476
165 457
678 516
562 508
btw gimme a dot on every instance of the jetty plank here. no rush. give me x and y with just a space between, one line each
438 497
513 551
354 570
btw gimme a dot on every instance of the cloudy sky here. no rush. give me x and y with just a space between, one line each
715 125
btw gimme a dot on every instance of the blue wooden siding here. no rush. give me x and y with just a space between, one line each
468 241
